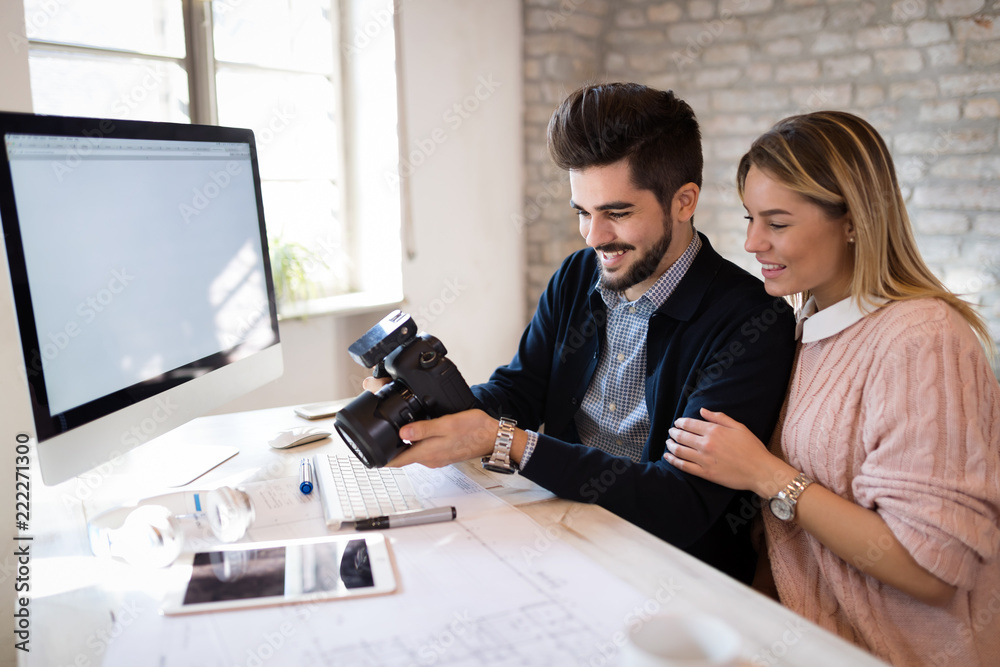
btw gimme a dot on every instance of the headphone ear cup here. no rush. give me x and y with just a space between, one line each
230 513
149 536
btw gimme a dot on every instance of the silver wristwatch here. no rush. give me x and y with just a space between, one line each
500 460
782 505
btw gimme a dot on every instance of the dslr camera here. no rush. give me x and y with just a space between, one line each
425 384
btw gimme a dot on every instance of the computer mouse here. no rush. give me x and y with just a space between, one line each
300 435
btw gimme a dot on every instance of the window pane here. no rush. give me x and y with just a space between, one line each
146 26
292 116
68 84
305 214
295 34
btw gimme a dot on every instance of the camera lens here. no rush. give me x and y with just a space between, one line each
370 423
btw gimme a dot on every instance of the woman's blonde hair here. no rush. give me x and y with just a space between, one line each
840 163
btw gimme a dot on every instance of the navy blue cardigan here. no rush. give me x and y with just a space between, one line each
720 342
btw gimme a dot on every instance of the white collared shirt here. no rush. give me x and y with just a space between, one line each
813 324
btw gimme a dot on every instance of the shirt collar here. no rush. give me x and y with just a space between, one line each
664 286
813 324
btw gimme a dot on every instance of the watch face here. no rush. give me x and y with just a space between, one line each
781 508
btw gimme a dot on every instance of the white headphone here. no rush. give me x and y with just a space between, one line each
152 533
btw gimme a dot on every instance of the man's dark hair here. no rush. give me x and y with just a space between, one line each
654 130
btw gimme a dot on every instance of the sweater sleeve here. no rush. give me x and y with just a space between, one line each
932 444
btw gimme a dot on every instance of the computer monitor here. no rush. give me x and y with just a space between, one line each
140 282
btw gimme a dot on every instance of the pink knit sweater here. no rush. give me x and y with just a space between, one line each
899 413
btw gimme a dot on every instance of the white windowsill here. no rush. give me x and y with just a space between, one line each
344 304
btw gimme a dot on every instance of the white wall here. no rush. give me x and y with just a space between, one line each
462 121
15 91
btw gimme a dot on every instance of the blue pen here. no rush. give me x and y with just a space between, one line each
306 477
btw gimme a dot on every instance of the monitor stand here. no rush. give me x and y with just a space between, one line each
165 462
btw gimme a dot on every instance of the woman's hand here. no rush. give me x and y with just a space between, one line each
722 450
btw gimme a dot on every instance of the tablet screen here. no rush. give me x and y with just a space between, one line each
292 571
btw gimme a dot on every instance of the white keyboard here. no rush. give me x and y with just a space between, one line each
351 492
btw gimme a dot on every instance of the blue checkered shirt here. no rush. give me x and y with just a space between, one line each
613 415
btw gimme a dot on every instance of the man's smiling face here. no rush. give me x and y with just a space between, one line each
628 228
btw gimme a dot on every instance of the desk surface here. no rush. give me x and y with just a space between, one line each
85 609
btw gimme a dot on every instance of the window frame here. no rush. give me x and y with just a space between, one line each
201 66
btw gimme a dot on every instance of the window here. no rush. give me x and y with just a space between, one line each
276 66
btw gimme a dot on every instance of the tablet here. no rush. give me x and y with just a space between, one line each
237 576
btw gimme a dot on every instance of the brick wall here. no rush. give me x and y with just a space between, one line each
926 73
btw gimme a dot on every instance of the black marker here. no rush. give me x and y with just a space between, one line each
412 518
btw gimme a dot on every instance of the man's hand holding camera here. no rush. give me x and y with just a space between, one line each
457 437
417 408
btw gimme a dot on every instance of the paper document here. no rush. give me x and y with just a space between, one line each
492 587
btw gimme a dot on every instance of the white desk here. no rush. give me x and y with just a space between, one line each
82 618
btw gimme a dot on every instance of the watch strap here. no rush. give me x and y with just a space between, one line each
500 460
796 487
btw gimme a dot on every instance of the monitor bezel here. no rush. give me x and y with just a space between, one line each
143 401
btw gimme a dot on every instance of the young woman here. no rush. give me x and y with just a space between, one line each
881 486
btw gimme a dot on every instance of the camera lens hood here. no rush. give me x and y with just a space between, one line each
372 438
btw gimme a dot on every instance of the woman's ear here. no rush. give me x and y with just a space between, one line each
849 231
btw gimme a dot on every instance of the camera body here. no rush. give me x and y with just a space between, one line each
425 384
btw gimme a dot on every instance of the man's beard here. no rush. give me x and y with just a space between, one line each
644 267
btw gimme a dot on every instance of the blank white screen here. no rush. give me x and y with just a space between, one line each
137 263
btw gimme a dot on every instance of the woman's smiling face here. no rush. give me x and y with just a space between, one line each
799 247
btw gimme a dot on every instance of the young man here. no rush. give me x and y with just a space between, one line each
647 325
